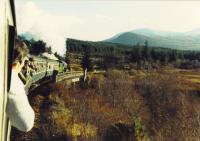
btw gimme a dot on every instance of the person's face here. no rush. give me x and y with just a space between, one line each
26 63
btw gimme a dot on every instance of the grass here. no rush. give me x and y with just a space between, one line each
140 105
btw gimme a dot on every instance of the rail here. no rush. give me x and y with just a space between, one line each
48 76
69 75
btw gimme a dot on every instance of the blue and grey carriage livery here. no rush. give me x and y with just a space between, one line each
44 69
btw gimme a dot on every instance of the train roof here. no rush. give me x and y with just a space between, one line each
50 56
64 63
40 58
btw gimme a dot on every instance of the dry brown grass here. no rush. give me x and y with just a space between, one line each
107 100
174 114
153 106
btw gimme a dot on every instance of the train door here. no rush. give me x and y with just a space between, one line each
7 35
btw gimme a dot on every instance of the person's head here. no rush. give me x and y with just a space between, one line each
19 53
31 61
26 63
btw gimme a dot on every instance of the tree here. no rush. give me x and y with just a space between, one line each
181 56
146 43
166 58
86 62
110 61
146 51
174 55
154 55
136 54
37 47
138 44
49 50
67 59
112 51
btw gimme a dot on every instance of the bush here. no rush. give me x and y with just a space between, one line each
173 114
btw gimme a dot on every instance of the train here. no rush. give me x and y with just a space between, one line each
41 68
47 65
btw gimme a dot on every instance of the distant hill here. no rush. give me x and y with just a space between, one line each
176 40
151 32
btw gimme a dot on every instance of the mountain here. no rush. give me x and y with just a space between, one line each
176 40
194 32
151 32
129 38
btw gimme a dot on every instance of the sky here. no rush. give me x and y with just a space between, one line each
55 20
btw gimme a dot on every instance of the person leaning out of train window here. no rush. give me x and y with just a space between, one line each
25 71
19 111
33 68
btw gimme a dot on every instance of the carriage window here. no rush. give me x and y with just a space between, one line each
10 52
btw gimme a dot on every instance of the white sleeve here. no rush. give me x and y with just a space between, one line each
20 112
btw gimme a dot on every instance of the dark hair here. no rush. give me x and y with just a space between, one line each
20 51
31 59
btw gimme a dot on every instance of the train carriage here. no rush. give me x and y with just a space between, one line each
45 69
7 37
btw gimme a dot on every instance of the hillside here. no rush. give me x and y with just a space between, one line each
182 41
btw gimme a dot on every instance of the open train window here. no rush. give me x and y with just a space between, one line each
11 42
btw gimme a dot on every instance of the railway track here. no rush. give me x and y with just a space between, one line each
42 79
74 76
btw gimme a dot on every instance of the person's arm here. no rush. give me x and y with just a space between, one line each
19 111
22 77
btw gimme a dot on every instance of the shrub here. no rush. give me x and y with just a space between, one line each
172 112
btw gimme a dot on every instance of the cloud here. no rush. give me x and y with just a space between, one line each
103 17
51 27
54 21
